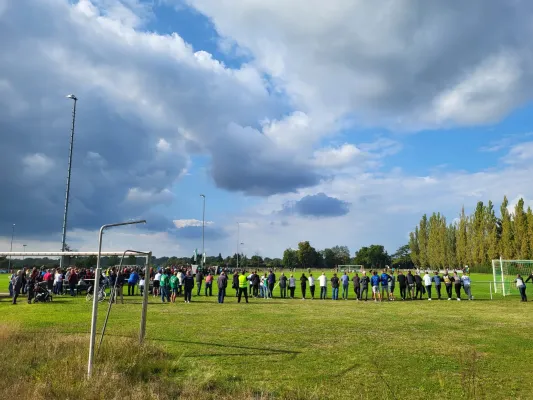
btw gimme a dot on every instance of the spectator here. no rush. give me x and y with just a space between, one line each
132 282
457 283
374 280
199 280
222 283
292 286
157 283
312 285
385 279
345 283
335 287
173 281
243 287
271 283
365 280
521 286
119 287
209 285
411 284
357 286
437 279
427 284
188 284
303 285
17 286
419 286
448 284
323 280
72 282
465 281
283 285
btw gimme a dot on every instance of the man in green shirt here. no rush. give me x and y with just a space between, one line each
243 287
165 286
174 287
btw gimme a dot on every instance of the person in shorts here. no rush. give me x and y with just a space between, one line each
374 281
385 279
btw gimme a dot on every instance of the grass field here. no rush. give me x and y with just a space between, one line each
291 349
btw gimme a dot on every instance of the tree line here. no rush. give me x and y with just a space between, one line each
475 239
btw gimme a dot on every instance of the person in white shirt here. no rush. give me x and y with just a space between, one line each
181 276
427 284
521 286
312 286
323 280
157 282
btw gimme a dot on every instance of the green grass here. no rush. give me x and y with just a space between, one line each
298 349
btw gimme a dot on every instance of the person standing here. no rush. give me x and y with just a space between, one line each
222 284
157 283
402 281
411 284
181 276
365 281
209 285
17 286
437 279
303 285
199 280
323 280
283 285
271 283
255 284
188 285
374 280
357 286
132 282
235 283
72 282
312 286
427 284
119 287
385 279
465 281
529 278
345 279
521 286
448 284
243 287
335 287
164 286
457 284
419 286
292 286
173 287
392 285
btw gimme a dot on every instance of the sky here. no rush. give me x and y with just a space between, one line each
337 122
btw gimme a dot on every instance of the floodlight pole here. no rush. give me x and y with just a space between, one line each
11 249
203 231
96 290
238 241
67 194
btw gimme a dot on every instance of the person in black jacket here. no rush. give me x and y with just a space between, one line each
411 284
188 283
255 284
303 285
419 286
357 286
235 284
402 281
199 280
283 285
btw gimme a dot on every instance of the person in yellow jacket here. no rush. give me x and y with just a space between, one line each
243 286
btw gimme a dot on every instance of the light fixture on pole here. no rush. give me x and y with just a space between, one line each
203 231
67 194
11 249
24 247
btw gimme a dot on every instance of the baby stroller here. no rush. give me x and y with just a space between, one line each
41 292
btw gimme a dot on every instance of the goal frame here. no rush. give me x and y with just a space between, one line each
361 267
497 265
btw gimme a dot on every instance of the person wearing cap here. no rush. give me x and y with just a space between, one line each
243 287
222 283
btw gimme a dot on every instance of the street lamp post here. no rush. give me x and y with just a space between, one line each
238 241
203 231
67 194
11 249
24 247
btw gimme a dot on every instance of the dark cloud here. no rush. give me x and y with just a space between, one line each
319 205
195 232
134 88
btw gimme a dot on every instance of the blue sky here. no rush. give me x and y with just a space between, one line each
338 122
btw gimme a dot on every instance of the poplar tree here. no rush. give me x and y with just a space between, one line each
451 251
462 251
413 246
521 239
493 229
506 242
423 242
530 231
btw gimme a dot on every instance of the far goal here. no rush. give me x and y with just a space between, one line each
351 268
504 273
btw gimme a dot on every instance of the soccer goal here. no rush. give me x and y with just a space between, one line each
504 273
351 268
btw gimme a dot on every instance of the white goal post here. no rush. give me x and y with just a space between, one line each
504 273
351 268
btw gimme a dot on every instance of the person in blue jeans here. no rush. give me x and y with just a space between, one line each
335 287
345 279
222 284
132 282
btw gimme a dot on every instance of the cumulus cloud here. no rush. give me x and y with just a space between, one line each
319 205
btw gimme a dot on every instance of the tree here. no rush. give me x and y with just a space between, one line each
256 261
521 239
530 231
341 254
451 246
413 246
462 251
374 256
90 262
290 258
328 257
112 261
493 233
220 259
402 257
506 242
423 236
307 255
132 260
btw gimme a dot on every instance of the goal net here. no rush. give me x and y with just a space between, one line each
351 268
504 273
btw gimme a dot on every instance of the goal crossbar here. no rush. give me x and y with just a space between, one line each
64 253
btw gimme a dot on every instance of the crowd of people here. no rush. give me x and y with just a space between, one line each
179 282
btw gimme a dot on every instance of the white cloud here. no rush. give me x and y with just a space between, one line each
149 197
37 165
183 223
163 145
